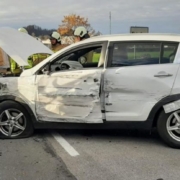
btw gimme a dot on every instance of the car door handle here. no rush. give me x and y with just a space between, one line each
163 75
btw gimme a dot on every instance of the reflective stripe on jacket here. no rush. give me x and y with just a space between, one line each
32 61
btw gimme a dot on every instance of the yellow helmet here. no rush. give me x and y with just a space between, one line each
23 30
80 31
56 36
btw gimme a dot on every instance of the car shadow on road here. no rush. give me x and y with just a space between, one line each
135 136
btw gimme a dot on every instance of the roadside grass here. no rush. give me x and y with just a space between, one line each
96 57
132 55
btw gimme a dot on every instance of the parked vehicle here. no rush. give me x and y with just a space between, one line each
135 83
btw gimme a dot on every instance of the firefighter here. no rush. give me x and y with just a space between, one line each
81 34
55 39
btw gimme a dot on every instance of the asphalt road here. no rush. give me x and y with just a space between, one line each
89 155
119 155
31 159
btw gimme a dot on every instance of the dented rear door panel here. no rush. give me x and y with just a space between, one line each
69 96
131 92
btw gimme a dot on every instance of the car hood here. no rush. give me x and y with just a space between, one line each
19 46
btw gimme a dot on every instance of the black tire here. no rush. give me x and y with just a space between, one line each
163 131
26 119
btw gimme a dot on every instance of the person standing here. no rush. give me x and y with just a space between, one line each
81 34
56 44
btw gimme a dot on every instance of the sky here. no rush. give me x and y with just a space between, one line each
161 16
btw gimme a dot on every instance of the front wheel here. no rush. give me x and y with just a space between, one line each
15 121
168 126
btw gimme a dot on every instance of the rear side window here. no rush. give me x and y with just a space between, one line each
135 53
169 51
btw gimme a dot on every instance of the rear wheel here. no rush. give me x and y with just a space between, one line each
15 121
168 126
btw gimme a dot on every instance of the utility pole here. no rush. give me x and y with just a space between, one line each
110 22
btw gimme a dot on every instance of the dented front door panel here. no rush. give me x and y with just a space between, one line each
69 96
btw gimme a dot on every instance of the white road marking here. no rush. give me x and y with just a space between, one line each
65 144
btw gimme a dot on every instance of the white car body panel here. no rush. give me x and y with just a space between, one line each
19 46
69 96
176 86
131 92
20 87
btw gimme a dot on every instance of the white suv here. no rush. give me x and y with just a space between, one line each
119 81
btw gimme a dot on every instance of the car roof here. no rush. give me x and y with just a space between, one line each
136 37
116 37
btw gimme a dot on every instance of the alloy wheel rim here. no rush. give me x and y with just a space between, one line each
173 125
12 122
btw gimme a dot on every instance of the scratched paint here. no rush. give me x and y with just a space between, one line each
176 87
21 87
131 92
70 96
173 106
64 96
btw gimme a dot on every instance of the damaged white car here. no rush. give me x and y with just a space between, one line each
119 81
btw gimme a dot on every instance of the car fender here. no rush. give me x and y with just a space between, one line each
20 101
168 104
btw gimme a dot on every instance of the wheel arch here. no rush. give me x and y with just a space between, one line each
21 102
154 114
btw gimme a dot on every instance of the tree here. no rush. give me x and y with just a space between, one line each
38 31
70 22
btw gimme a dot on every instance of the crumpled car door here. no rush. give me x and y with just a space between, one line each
70 96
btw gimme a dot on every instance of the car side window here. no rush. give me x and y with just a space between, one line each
81 58
169 52
135 53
